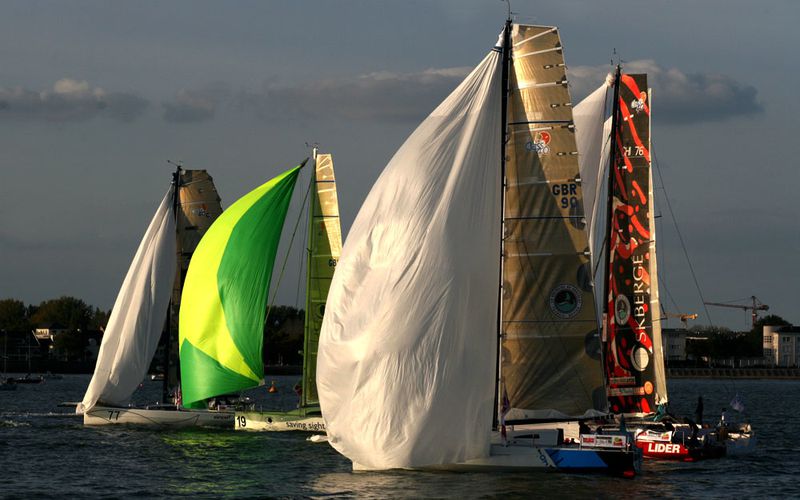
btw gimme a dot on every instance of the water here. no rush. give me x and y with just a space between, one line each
45 452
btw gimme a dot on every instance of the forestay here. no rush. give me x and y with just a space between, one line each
406 360
550 363
137 319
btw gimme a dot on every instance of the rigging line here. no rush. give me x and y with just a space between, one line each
662 284
677 229
302 255
286 259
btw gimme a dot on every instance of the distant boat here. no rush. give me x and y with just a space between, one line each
29 379
462 312
323 250
143 308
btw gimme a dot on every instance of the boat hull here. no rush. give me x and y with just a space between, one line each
278 421
107 415
625 463
677 451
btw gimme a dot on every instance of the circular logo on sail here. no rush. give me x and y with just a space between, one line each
539 144
638 104
622 310
565 301
640 358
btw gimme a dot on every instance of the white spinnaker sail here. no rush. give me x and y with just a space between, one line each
406 362
138 317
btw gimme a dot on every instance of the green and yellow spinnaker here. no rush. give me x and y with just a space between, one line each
224 299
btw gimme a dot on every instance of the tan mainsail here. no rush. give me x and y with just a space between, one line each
199 207
325 247
550 347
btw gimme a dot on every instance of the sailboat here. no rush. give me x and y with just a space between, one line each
632 345
224 301
461 314
147 301
324 248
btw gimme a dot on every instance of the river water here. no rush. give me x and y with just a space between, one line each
45 452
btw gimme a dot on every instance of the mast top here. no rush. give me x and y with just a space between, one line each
508 4
314 149
178 168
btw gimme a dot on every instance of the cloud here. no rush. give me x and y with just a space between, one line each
195 105
385 96
679 97
69 100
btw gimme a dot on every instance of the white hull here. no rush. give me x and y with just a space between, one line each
740 443
277 422
107 415
534 448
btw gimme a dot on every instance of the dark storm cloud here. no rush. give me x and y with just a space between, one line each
69 100
384 96
679 97
196 105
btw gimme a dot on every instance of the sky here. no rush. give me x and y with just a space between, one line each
96 96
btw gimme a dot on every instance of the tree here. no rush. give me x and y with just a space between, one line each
71 313
283 336
14 316
721 343
99 319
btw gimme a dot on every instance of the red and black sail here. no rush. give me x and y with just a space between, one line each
633 356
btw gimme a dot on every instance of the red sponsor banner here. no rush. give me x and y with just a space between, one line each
656 449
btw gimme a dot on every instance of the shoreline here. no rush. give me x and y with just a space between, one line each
746 373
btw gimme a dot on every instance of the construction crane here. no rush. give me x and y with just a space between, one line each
757 306
683 317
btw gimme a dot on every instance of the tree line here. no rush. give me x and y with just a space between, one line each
71 313
721 342
283 330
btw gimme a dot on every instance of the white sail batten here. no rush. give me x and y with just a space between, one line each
403 374
138 316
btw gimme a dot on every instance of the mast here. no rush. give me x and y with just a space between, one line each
503 139
176 180
304 384
610 211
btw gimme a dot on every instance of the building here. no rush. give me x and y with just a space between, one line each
782 345
47 331
674 344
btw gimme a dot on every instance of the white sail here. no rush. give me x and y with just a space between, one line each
138 317
406 362
592 138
